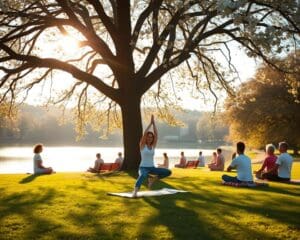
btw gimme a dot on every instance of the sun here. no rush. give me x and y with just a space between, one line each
68 45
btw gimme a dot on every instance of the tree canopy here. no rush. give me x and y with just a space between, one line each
125 49
266 109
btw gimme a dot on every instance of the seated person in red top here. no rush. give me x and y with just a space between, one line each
268 164
182 162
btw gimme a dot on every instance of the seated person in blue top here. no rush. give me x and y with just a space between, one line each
147 147
242 164
283 165
38 167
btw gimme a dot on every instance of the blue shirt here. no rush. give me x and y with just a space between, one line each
242 163
147 156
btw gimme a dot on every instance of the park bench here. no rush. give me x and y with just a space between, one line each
108 167
192 164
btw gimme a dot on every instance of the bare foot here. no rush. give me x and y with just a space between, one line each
134 193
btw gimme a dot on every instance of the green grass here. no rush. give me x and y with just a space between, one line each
75 206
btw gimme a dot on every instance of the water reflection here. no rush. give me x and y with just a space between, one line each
77 159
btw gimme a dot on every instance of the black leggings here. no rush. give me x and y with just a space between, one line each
273 177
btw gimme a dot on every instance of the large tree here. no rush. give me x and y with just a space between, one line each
125 48
266 109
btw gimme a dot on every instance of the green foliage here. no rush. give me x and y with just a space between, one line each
267 108
76 206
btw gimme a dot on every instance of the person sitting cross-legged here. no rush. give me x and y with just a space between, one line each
242 164
267 169
97 164
219 163
283 166
182 161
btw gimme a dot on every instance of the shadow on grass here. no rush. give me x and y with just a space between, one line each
29 178
188 216
18 212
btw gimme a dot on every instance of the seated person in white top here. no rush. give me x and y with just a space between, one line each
97 164
242 164
119 159
147 146
201 160
165 163
38 167
283 165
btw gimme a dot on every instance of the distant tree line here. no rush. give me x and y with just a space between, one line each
37 124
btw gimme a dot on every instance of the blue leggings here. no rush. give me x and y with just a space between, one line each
227 178
144 171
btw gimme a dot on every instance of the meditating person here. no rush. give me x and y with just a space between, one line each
97 164
242 164
38 167
147 147
220 161
283 166
119 159
182 161
213 159
267 169
201 160
165 163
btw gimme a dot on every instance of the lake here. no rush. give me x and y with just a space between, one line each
78 159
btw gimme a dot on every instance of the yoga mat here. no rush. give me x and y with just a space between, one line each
163 191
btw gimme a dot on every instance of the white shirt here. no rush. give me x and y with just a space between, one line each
147 156
98 162
37 157
285 162
201 161
119 160
242 163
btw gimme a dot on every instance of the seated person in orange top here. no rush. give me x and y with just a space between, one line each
268 164
97 165
182 162
220 161
165 163
213 160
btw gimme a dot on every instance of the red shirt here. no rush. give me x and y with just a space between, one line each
269 162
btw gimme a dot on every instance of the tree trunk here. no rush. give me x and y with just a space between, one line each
132 132
296 150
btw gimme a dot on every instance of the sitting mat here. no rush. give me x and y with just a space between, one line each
254 184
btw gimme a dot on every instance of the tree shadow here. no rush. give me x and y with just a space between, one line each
24 205
181 215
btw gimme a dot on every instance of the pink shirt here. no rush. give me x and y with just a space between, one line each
269 162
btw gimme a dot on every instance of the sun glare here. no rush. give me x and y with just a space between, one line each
68 45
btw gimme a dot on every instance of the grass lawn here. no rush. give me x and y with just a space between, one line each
75 206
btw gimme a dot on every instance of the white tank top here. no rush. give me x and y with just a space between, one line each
147 156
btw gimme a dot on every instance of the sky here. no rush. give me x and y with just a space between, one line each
245 66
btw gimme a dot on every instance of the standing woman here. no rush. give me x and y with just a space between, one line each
147 146
38 167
